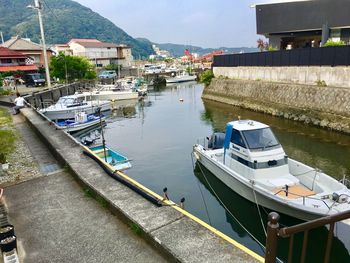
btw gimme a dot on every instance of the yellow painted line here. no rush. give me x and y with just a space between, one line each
184 212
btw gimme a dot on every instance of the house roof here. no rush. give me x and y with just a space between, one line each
8 53
17 43
91 43
15 68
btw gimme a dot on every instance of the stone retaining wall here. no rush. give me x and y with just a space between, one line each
322 106
331 76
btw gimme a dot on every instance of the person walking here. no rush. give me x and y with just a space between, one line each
19 104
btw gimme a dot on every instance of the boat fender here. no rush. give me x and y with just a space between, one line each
196 155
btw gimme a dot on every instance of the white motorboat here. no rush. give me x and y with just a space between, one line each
250 160
66 107
184 77
81 121
110 92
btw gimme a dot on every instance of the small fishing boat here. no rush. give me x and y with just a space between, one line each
67 106
82 121
108 156
249 159
184 77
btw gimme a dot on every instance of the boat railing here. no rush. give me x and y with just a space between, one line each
275 233
204 142
303 196
345 182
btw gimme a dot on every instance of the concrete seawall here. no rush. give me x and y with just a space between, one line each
178 236
327 107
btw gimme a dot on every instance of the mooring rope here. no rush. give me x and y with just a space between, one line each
228 211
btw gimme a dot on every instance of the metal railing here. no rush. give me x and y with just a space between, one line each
274 232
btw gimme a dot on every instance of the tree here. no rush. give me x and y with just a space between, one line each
262 45
71 67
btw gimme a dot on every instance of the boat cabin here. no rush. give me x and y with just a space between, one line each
251 148
71 101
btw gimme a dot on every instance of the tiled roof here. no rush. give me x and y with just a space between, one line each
91 42
8 53
17 43
96 44
15 68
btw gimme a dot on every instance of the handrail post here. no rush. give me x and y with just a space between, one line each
271 239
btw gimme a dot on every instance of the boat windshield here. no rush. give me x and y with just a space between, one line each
260 138
65 101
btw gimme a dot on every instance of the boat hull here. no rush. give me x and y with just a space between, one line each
181 79
80 126
69 113
244 189
106 95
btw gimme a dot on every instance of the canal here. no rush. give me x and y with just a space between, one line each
158 134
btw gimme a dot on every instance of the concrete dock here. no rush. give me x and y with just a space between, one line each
178 237
56 221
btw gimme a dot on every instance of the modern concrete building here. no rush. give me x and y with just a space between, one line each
33 51
309 23
99 53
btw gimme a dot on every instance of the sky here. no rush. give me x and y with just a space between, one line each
204 23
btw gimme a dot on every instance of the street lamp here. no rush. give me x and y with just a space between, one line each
38 6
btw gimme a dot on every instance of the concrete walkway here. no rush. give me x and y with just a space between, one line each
55 221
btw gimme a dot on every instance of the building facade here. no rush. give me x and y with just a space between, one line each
98 53
304 23
33 51
11 60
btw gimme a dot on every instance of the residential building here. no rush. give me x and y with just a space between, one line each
11 60
99 53
299 24
32 50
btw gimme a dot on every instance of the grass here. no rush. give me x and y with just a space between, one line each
7 137
136 229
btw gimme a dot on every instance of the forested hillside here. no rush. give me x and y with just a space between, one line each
63 20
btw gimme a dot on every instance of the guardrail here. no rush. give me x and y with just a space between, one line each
323 56
274 231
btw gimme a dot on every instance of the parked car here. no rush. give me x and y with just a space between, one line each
107 74
34 79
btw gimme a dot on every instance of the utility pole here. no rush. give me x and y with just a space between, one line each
38 6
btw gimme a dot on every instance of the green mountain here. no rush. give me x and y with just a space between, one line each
63 20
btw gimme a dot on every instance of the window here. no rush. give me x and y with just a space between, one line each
260 139
237 138
6 61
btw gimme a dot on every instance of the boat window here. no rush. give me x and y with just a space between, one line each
260 138
237 138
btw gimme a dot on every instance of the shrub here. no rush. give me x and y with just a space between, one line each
206 77
332 43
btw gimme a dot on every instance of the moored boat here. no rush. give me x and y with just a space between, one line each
109 157
184 77
82 121
109 92
67 106
250 160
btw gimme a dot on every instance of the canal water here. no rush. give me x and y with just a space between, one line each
158 134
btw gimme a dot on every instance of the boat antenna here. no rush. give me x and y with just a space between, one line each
98 111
